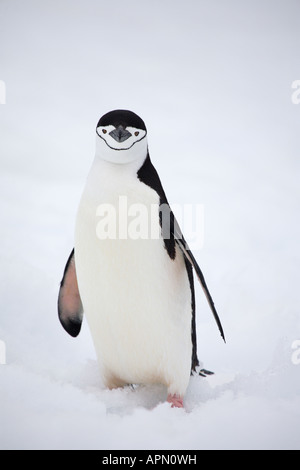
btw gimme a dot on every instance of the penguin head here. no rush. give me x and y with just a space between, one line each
121 137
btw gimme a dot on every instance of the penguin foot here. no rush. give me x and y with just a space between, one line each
205 372
175 400
202 372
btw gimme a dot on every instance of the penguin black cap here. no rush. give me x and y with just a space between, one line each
122 117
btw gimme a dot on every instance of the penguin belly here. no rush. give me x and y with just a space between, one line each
136 299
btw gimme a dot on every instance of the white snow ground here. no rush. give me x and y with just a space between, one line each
213 82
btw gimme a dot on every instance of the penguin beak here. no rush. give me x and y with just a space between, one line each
120 134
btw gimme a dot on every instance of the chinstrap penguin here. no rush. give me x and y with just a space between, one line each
137 294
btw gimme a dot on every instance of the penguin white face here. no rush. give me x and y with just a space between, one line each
121 137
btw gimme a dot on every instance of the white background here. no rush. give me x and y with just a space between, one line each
213 82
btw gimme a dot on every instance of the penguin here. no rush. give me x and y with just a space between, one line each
137 293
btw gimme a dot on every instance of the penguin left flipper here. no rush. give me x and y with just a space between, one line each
70 310
172 233
179 239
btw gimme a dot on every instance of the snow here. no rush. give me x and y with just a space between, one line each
213 82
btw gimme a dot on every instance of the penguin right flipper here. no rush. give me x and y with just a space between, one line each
70 310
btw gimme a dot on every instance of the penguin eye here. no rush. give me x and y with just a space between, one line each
104 131
136 133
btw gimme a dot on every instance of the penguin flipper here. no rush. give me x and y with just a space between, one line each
70 310
171 231
179 239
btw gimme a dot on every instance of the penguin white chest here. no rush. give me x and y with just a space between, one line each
137 300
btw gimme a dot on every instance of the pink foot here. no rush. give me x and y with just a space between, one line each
175 400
